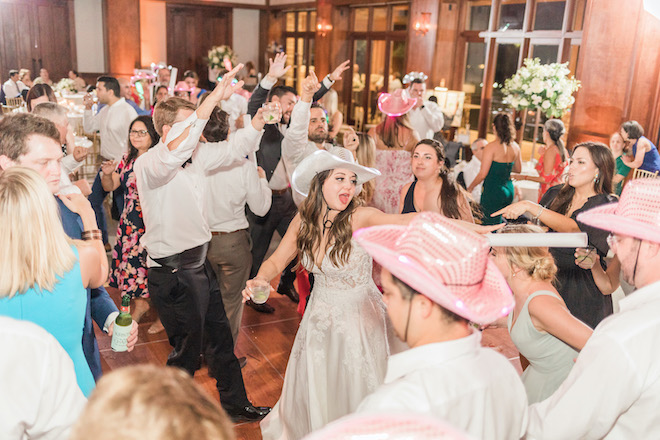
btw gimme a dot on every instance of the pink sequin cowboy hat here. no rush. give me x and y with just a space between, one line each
636 214
397 103
388 425
444 262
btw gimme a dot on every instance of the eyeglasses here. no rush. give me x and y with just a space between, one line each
138 133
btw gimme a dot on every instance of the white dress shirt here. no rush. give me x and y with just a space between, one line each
172 197
11 89
236 106
40 398
280 178
613 390
296 144
112 122
228 189
470 170
428 120
471 387
68 165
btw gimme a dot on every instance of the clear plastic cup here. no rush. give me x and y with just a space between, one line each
260 293
272 112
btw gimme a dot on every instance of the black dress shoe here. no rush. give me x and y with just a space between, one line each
247 413
289 291
261 308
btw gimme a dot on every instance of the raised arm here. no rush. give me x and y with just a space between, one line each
277 69
607 281
433 116
330 79
109 177
296 137
550 315
259 195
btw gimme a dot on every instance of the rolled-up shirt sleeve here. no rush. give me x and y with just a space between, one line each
161 165
212 155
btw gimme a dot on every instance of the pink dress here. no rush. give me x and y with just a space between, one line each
396 172
552 179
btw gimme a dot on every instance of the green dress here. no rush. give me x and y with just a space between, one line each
623 169
497 191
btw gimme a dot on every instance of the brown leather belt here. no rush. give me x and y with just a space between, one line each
279 192
227 233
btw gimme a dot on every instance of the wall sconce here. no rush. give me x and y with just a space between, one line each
323 27
423 24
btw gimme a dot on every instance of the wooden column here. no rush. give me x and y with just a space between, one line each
421 48
323 44
619 68
444 54
121 20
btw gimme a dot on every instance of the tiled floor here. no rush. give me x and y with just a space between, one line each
266 341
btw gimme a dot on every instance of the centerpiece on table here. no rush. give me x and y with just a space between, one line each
65 86
544 87
220 58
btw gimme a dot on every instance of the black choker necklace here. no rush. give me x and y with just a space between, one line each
327 223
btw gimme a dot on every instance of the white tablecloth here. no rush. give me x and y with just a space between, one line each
526 189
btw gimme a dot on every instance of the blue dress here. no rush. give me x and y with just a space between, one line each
61 312
651 158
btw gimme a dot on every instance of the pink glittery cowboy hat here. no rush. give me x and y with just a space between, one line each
636 214
390 426
397 103
444 262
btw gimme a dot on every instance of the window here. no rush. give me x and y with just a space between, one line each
299 44
378 42
549 15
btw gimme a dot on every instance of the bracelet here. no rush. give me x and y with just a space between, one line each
540 212
92 234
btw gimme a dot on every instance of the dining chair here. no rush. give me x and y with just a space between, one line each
643 174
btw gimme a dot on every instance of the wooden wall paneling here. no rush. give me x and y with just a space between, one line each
323 44
604 69
444 55
10 55
54 39
420 48
122 27
341 51
181 31
641 99
264 23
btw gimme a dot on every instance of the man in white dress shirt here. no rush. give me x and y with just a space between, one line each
437 277
471 169
307 133
613 390
182 284
426 117
229 189
112 123
40 396
10 87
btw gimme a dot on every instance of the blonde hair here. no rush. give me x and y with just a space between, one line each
149 402
34 248
536 261
366 156
166 111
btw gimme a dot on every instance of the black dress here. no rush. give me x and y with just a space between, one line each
576 285
408 201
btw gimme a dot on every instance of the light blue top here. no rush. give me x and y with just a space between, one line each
61 312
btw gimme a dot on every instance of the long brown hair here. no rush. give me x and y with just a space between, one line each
450 190
311 231
388 130
604 161
366 156
504 128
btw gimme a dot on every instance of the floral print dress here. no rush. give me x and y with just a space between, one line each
129 268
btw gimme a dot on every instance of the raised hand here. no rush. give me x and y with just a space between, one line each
309 86
277 68
80 153
336 74
258 120
225 88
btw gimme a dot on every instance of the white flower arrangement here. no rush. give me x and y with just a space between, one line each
65 85
217 56
541 86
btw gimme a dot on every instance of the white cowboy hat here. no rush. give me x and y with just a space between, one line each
322 161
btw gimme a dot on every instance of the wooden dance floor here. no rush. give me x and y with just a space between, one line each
265 340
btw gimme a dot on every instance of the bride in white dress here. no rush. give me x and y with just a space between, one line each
340 352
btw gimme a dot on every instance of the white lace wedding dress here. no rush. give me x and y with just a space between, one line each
340 352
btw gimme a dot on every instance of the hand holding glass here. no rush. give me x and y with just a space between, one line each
272 112
259 291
